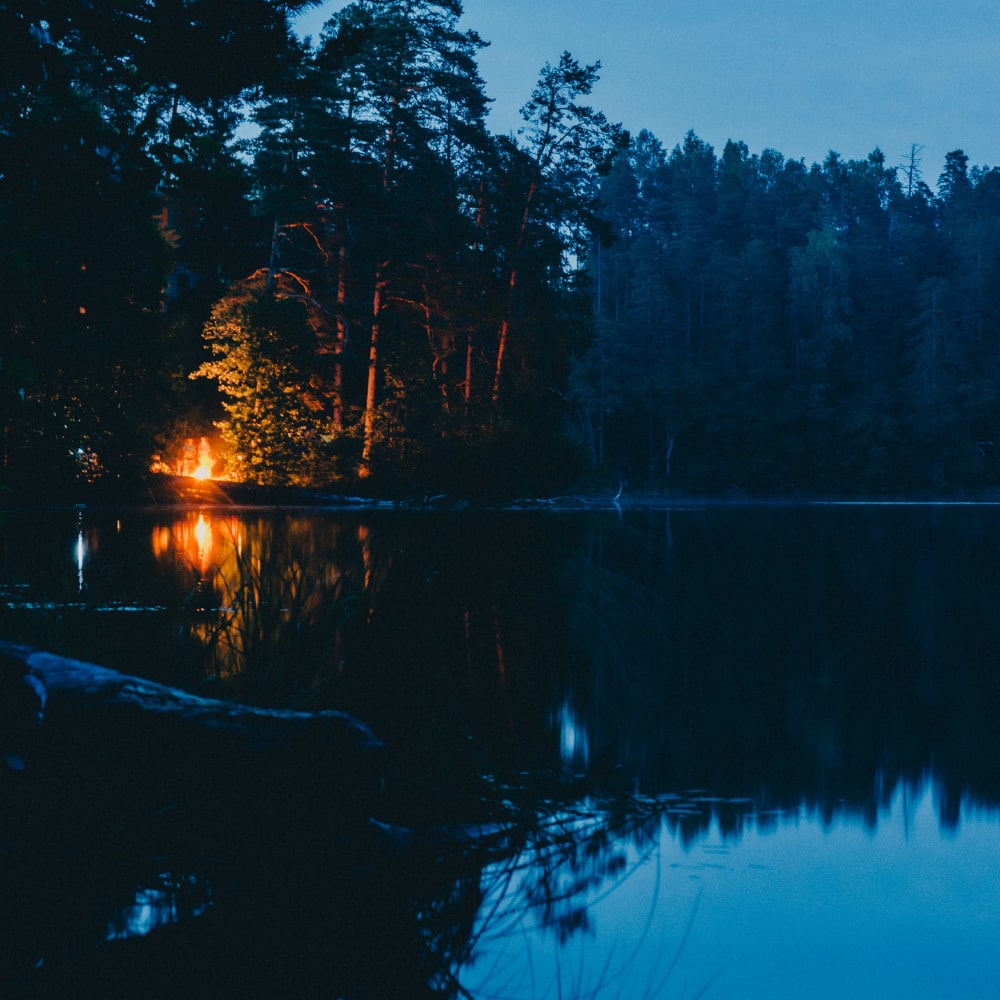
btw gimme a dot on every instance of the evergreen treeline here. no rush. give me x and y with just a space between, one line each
765 326
316 252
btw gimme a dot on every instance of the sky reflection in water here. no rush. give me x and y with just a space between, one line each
792 908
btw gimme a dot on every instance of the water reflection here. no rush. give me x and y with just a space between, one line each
168 900
574 740
793 907
630 903
264 615
710 744
778 653
81 550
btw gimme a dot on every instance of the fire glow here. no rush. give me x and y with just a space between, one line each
205 461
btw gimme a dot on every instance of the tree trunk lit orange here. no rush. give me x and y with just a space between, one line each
373 362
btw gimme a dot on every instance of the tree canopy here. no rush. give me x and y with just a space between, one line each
762 326
317 254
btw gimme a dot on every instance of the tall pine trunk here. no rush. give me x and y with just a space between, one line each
340 341
373 370
504 335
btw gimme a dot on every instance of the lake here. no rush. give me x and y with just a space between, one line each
720 750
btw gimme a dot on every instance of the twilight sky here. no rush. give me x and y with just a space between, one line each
800 76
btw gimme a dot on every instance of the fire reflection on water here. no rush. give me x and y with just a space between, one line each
264 588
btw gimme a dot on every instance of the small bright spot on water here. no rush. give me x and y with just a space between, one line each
574 744
81 553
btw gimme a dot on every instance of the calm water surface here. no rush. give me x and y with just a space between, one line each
734 750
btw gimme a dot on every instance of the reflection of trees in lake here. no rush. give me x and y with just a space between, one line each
795 655
401 914
457 662
430 626
798 655
770 658
541 930
270 599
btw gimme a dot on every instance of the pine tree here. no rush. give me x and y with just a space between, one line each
565 146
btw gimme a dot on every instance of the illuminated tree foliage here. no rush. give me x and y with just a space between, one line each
279 419
399 221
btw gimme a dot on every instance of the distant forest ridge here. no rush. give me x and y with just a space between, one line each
830 328
314 265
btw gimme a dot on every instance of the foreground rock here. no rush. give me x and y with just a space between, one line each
96 756
153 843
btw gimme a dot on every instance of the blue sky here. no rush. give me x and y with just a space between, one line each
799 76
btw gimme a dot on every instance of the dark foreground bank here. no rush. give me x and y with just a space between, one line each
156 844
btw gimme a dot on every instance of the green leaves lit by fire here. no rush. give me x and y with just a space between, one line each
277 390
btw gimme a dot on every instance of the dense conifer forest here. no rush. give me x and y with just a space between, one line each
316 255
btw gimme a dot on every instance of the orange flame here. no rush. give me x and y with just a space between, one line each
203 470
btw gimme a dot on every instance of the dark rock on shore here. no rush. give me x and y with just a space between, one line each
237 828
101 753
22 702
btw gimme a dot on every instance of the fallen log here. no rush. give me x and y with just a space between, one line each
105 755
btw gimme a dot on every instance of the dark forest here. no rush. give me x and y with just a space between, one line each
314 256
